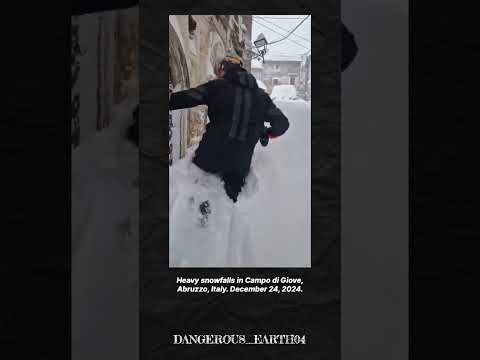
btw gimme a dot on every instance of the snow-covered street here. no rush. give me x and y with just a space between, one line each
105 219
270 224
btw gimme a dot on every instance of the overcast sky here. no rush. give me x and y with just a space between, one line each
275 27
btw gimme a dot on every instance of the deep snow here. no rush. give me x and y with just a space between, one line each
269 226
105 242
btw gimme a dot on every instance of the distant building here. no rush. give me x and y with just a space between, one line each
281 72
197 43
257 69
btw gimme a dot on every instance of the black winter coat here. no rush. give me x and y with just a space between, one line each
237 109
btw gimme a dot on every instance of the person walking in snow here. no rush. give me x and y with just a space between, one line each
237 109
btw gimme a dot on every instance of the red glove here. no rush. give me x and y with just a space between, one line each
269 134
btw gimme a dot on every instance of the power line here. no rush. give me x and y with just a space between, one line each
291 31
282 28
276 32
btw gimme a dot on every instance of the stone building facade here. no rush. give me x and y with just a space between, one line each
257 70
279 72
104 57
197 43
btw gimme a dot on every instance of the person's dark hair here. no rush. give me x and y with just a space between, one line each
228 66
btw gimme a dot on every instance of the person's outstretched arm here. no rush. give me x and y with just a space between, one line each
278 121
190 98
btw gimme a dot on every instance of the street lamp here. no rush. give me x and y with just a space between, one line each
261 45
261 41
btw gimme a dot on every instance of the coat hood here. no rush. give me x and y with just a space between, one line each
242 77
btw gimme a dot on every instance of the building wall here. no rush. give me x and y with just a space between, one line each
247 21
197 43
258 73
280 71
309 80
305 78
104 70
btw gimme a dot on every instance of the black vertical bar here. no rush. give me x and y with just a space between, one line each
247 108
236 112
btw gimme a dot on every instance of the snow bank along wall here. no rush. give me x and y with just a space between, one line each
196 44
104 69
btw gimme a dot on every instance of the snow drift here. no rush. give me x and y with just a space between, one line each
284 92
269 226
105 241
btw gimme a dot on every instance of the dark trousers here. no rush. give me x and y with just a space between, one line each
234 179
233 184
